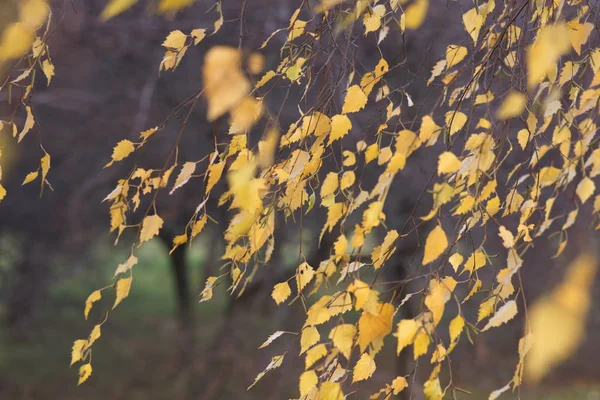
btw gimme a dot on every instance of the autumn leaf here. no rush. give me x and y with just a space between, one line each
557 321
116 7
364 368
281 291
355 100
84 373
415 14
77 350
150 227
122 289
308 381
503 315
435 244
224 81
448 163
343 338
92 298
512 106
121 151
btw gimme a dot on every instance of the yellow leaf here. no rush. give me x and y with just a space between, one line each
341 246
525 344
415 14
548 175
84 373
274 363
512 106
92 298
310 336
439 294
381 253
123 286
94 335
437 70
207 292
455 260
455 121
585 189
225 84
304 274
373 215
503 315
2 192
343 338
115 7
127 265
296 27
372 18
384 155
347 180
466 204
355 100
198 226
308 380
364 368
454 55
77 350
579 34
435 244
433 389
456 327
219 22
330 391
370 79
187 170
48 70
198 35
421 344
245 114
271 339
150 227
30 177
16 41
550 44
315 354
178 241
374 326
508 239
123 149
473 20
558 321
330 184
281 291
349 158
406 332
399 384
265 78
33 13
45 166
340 126
448 163
214 174
175 40
523 138
29 123
371 153
474 290
475 261
364 295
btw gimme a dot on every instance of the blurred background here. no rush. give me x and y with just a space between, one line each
161 343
